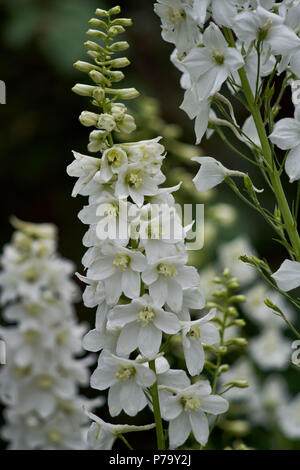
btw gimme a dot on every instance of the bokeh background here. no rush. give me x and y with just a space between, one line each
39 42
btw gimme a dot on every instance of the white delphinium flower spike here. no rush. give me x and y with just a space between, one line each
41 379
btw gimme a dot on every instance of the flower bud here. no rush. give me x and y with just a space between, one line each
119 63
101 13
94 33
115 75
115 30
97 23
106 122
88 119
122 22
237 299
237 342
232 312
127 125
124 94
99 94
119 46
237 384
97 139
93 46
83 90
115 10
118 111
223 368
85 66
97 77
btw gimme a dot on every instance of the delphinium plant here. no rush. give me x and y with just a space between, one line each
246 47
137 275
40 382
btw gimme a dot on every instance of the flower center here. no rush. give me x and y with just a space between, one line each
111 211
219 58
167 270
134 178
176 15
121 261
54 436
194 332
263 31
30 275
115 157
30 336
32 309
44 381
22 371
146 315
62 337
190 402
125 373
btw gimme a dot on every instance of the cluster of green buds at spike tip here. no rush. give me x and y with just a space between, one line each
104 74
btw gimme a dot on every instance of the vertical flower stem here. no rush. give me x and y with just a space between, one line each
289 222
156 408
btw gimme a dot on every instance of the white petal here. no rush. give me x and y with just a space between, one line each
286 134
149 340
114 402
102 378
288 275
131 283
179 430
167 322
292 164
132 397
128 339
214 404
200 427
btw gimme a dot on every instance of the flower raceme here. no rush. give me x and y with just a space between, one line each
40 382
139 278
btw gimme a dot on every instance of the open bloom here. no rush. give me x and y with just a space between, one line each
211 173
210 65
194 335
142 322
126 380
222 12
167 278
185 409
120 270
265 26
286 135
287 276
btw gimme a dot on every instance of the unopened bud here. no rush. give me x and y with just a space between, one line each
93 46
97 23
115 10
240 322
119 46
97 77
84 66
232 312
101 13
237 384
238 299
83 90
115 30
124 94
94 33
223 368
122 22
106 122
115 75
99 94
88 119
119 63
237 342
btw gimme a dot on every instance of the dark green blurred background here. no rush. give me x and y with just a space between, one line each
40 40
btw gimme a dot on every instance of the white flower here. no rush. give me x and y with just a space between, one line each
267 27
199 109
186 412
167 278
142 322
211 173
126 380
270 349
223 12
84 168
120 270
289 418
287 276
111 162
102 435
178 24
194 335
286 135
210 65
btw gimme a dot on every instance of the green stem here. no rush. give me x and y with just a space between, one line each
122 438
290 224
156 408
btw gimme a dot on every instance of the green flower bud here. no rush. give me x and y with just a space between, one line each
106 122
115 30
85 66
93 46
237 384
97 77
101 13
98 23
237 299
119 63
99 94
115 10
223 368
122 22
115 75
232 312
88 119
240 322
237 342
119 46
96 34
124 94
83 90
